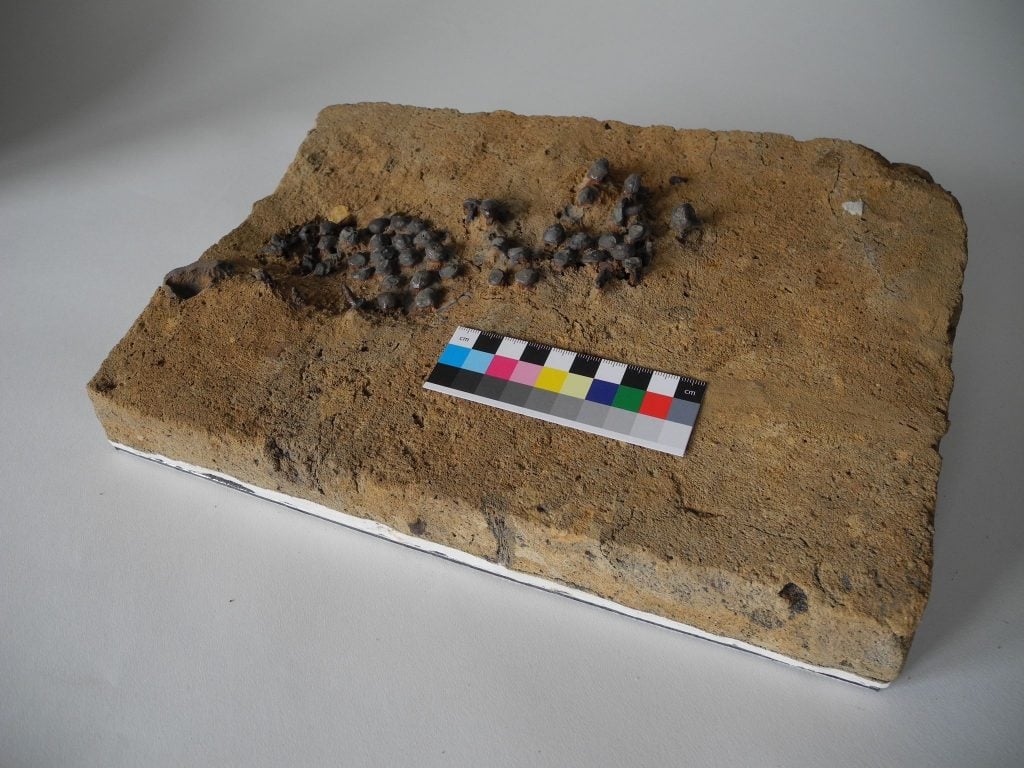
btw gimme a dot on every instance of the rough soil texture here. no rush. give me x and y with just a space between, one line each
800 519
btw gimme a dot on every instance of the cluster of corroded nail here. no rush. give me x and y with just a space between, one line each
488 210
507 257
389 245
612 254
383 249
630 205
590 190
684 220
622 253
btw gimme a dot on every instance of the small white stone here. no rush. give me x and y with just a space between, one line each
854 207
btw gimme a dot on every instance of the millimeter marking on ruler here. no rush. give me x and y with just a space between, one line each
624 402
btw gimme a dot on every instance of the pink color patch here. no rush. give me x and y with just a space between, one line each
525 373
502 367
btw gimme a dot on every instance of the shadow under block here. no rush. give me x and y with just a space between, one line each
800 520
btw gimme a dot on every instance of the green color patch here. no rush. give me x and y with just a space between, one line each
629 399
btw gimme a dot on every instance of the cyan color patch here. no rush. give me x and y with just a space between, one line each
477 361
454 355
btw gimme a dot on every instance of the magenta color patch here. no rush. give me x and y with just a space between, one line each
526 373
501 367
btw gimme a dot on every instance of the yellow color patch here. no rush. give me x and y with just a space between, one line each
576 385
550 379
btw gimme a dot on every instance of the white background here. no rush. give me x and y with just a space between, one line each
150 618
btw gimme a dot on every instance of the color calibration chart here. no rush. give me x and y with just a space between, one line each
624 402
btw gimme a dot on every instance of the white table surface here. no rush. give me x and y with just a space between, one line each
150 618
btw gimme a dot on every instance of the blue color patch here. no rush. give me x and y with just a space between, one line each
602 392
477 361
454 355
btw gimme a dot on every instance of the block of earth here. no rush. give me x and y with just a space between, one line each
814 285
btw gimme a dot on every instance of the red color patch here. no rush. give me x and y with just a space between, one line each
656 405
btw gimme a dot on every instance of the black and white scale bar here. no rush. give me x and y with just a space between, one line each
629 403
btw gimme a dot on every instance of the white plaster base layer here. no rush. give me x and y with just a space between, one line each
386 532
